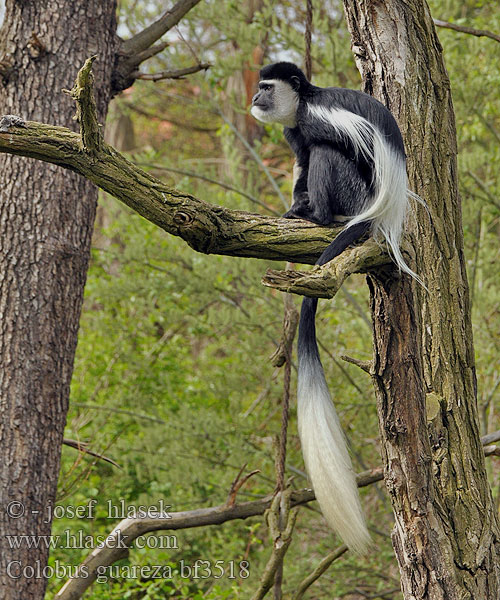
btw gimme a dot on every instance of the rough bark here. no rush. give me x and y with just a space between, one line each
446 534
46 218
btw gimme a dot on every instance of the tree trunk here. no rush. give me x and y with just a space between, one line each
446 534
46 220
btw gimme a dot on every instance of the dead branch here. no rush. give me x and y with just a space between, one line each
86 110
129 529
490 438
318 571
140 48
140 57
84 448
238 483
365 365
124 534
281 521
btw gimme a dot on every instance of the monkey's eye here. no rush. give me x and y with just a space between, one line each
265 86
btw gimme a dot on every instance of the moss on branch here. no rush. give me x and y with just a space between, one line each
325 281
205 227
86 111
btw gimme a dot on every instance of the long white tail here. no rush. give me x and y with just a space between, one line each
323 442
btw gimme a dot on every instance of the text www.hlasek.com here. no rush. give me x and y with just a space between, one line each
81 541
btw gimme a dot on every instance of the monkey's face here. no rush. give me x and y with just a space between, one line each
275 102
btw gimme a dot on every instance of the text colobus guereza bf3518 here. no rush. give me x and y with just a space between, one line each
351 167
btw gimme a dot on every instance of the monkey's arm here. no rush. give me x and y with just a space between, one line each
300 170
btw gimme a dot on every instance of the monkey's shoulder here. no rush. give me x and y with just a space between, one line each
354 101
322 100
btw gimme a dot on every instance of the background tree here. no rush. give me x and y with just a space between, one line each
46 220
166 334
425 437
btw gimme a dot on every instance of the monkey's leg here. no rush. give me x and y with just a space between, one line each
335 188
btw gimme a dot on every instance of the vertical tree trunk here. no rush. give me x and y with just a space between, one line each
46 219
446 534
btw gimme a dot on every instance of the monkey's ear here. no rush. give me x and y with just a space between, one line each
295 82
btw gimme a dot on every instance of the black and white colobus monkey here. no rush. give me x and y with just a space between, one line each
350 166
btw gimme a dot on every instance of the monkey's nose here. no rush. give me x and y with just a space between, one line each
255 98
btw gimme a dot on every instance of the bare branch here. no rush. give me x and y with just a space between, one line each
469 30
281 520
139 48
238 483
490 438
325 281
84 447
140 57
175 74
151 34
491 451
129 529
365 365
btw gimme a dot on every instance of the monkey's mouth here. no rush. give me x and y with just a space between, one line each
258 105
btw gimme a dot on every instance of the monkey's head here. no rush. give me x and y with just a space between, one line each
280 88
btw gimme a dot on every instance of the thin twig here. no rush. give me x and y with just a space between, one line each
175 74
492 198
257 159
83 447
469 30
318 571
119 410
214 181
237 484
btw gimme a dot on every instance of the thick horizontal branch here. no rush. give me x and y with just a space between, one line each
206 228
490 438
325 281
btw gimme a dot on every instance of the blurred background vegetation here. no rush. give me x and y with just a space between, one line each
173 378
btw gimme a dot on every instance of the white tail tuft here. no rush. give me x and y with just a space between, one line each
326 456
